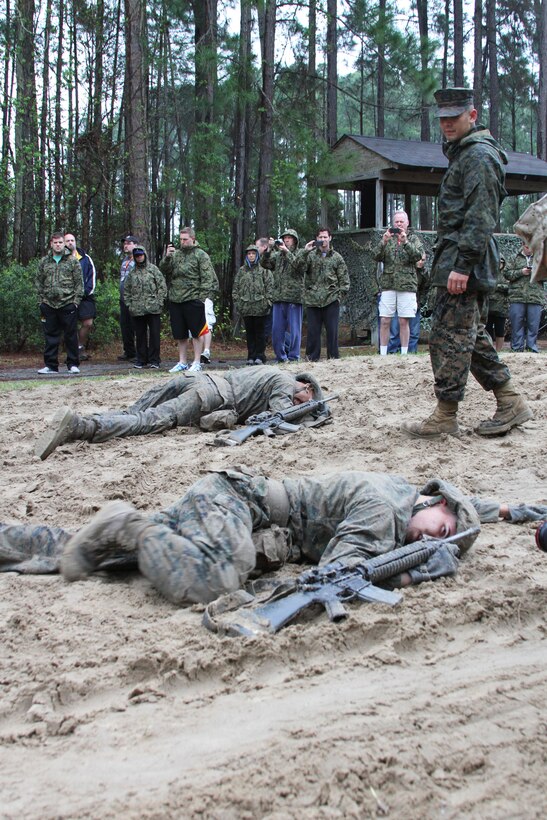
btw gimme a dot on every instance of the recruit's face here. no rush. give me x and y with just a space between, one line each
454 128
304 393
438 521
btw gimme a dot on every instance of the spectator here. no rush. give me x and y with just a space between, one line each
288 294
87 310
498 309
60 288
252 295
211 320
394 345
126 322
191 279
145 292
400 252
526 302
326 283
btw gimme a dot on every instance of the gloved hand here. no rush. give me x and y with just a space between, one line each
443 562
527 512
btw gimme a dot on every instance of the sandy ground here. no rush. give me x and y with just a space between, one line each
116 704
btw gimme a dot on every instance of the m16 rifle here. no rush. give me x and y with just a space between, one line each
333 585
273 424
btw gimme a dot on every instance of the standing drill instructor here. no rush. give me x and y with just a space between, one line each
464 271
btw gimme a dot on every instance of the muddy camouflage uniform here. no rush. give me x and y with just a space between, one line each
190 397
469 200
209 541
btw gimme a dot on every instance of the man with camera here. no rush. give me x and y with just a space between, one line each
326 282
288 293
399 252
526 301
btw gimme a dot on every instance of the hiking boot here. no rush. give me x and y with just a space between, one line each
66 425
442 420
108 531
511 411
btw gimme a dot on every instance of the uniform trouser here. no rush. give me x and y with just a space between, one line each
194 551
127 330
317 317
287 318
147 333
394 344
60 322
256 337
181 401
459 343
525 319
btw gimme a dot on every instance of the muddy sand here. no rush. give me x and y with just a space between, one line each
114 703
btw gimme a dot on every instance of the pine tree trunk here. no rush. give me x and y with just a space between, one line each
266 21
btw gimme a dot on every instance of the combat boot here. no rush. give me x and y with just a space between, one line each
114 529
511 411
442 420
65 426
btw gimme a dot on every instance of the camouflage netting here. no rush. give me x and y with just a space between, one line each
359 313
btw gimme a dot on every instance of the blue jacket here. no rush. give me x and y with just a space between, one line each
89 273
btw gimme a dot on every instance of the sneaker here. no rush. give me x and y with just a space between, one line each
46 371
259 361
154 366
195 367
179 367
138 366
205 357
250 361
73 369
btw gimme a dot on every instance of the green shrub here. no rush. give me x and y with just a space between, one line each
106 327
20 325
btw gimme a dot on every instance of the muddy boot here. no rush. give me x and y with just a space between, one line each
115 528
65 426
511 411
442 420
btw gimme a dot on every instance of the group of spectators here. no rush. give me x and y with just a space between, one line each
276 281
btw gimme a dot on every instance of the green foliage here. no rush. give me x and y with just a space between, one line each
106 327
20 325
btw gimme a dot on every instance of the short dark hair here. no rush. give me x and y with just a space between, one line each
190 231
57 235
323 229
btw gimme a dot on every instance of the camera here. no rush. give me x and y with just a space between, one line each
395 230
278 242
541 536
318 243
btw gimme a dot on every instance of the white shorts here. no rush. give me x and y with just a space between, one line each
403 302
210 313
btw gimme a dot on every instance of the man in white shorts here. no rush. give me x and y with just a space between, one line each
399 252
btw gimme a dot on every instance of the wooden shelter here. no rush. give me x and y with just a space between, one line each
375 167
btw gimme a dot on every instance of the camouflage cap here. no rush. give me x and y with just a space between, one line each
451 102
465 512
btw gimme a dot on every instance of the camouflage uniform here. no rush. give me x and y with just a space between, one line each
207 543
144 294
190 397
60 290
288 296
469 200
252 294
325 285
399 272
526 302
189 274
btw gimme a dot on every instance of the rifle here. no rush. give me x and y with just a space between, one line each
272 424
332 586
